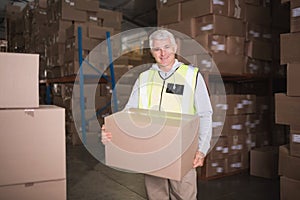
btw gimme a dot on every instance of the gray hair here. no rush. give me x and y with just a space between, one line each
161 35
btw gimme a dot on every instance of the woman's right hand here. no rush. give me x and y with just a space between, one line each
105 136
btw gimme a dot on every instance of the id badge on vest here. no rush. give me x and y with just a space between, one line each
175 89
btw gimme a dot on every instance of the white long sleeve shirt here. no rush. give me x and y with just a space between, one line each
202 105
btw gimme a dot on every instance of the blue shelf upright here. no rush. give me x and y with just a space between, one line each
112 73
81 85
82 77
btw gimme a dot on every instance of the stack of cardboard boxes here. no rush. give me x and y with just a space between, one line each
241 123
237 34
288 107
45 23
238 127
32 146
238 37
52 28
66 17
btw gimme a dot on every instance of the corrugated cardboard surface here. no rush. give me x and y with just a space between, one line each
69 12
218 24
282 159
212 43
98 32
48 190
235 125
294 16
295 24
288 165
169 14
229 64
220 149
87 5
215 167
32 145
235 163
287 109
235 45
235 104
295 139
264 162
189 47
19 80
195 8
156 143
293 81
236 8
289 188
171 2
237 143
228 164
258 49
184 26
255 66
257 14
290 45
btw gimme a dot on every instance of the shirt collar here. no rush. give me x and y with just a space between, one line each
174 67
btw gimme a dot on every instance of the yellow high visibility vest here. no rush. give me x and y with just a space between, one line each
174 94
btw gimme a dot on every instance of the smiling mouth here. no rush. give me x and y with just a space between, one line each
164 58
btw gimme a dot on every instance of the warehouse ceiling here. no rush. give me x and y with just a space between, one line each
136 13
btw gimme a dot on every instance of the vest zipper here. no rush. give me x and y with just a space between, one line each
161 93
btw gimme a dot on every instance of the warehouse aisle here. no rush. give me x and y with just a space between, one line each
239 187
87 179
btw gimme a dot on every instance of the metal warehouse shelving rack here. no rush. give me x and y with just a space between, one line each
86 78
82 79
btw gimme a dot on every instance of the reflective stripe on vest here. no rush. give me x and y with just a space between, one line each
174 94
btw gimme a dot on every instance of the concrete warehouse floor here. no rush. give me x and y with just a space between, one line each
88 179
